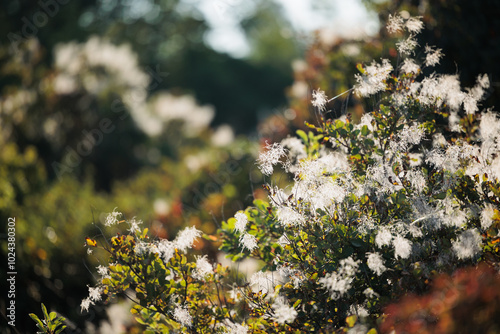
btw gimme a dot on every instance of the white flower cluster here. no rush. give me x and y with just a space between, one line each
203 268
262 281
111 218
373 79
181 315
402 246
468 244
241 222
233 328
295 276
283 313
99 66
319 99
166 248
339 282
268 159
397 23
78 65
134 225
376 263
247 240
94 296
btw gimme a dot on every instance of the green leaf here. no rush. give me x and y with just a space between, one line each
303 136
368 142
45 314
37 320
261 205
60 329
440 195
297 303
357 243
364 130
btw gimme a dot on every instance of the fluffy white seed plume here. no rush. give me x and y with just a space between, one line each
339 282
495 168
468 244
103 271
319 99
241 221
358 329
373 80
489 127
111 218
134 225
487 216
203 268
278 197
270 157
402 247
409 136
296 148
142 248
432 56
164 248
262 281
367 120
450 91
95 293
248 241
376 263
482 83
85 304
417 179
233 328
181 315
359 310
186 238
409 66
383 238
283 241
470 104
289 217
414 25
394 23
415 159
407 46
454 122
283 313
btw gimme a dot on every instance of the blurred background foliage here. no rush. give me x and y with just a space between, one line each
466 302
118 103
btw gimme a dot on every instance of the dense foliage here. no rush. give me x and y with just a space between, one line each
361 213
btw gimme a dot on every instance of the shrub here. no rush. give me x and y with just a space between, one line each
372 210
